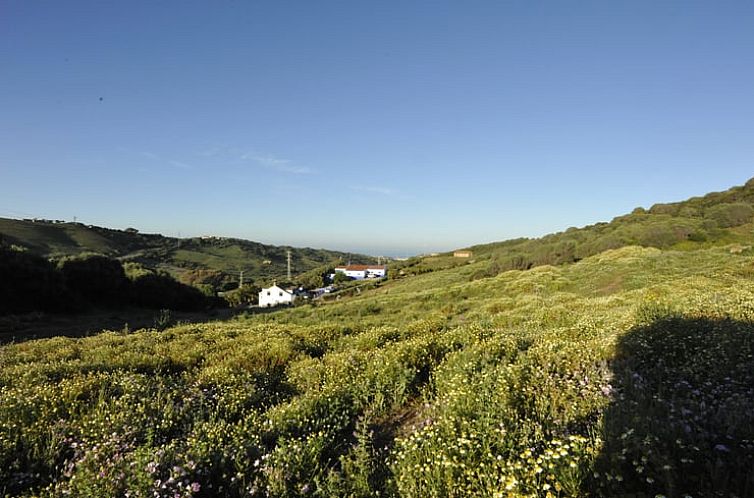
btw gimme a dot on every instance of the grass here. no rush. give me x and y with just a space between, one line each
53 238
627 373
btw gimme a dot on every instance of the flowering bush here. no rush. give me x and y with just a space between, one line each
626 373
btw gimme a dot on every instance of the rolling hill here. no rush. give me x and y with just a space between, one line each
56 239
715 219
626 371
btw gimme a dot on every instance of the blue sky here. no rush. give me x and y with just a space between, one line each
382 127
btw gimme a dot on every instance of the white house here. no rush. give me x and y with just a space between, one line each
273 296
376 271
360 272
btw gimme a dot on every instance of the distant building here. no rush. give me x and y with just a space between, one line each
360 272
462 254
274 296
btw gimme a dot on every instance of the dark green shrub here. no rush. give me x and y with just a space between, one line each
31 283
671 209
658 235
340 277
730 215
96 278
317 277
698 236
689 212
248 294
515 262
160 290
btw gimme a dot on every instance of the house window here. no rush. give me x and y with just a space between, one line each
281 294
268 293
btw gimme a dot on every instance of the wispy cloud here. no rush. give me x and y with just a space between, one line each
275 163
181 165
156 159
217 150
375 190
244 156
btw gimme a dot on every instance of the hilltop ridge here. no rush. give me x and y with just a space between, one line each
56 239
714 219
703 221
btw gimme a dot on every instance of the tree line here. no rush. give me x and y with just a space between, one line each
72 284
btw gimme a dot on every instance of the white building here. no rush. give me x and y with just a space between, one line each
360 272
273 296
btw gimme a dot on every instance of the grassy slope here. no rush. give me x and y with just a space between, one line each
449 294
628 372
716 219
259 261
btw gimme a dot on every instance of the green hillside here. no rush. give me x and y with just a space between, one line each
628 372
261 262
718 218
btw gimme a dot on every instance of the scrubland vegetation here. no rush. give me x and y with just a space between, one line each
623 371
32 283
718 218
629 372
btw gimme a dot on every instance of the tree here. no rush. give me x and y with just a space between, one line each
248 294
31 283
160 290
316 277
340 277
96 278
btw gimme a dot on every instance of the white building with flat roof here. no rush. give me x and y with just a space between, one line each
360 272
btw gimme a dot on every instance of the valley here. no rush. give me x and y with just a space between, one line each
628 371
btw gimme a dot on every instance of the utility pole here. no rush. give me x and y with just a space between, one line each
289 265
240 281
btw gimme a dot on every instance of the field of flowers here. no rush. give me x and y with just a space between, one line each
630 373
